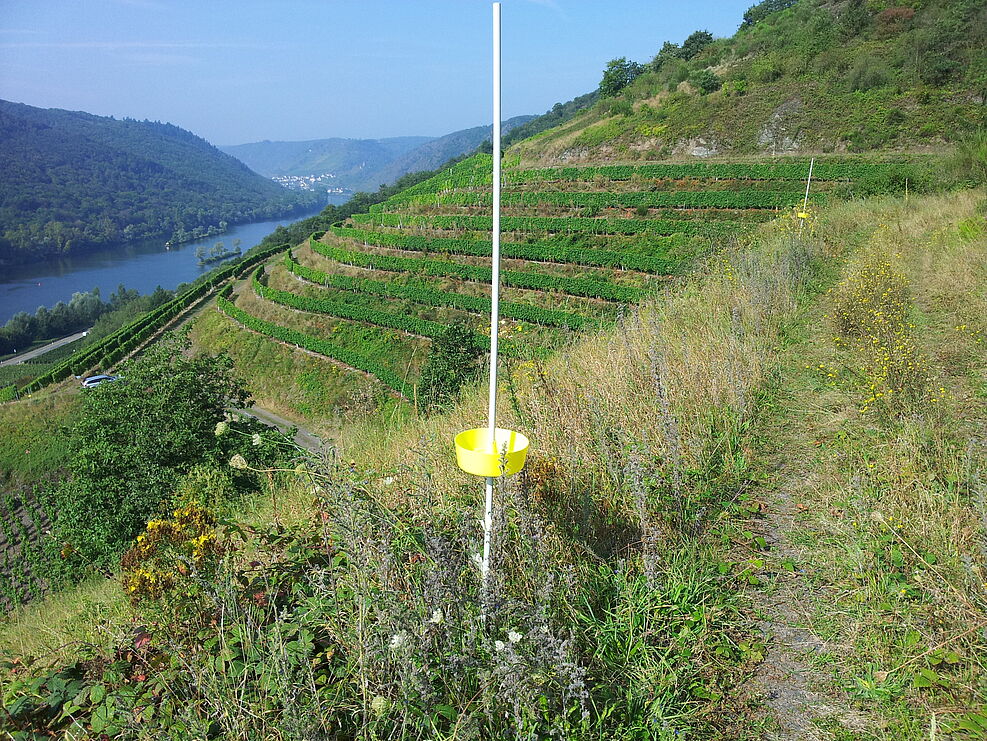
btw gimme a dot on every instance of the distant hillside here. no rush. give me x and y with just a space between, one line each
72 180
434 153
798 76
363 164
345 158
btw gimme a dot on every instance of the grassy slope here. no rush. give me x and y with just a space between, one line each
880 514
805 79
740 350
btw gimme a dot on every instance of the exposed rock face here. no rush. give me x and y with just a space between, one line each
697 147
782 133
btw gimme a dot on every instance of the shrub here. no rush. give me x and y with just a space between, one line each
869 72
453 362
133 441
705 81
970 160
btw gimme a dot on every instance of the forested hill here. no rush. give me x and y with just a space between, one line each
363 164
342 157
434 153
72 180
798 76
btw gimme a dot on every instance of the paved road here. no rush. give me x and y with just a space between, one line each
308 440
24 356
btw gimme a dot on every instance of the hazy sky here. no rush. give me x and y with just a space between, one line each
243 71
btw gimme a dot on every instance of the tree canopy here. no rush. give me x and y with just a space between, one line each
619 74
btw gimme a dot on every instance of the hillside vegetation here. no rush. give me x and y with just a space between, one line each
754 504
633 555
376 292
72 180
807 76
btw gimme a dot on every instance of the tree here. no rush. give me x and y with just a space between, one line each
134 438
762 10
619 74
667 53
697 41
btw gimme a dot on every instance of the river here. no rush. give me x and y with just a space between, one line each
141 265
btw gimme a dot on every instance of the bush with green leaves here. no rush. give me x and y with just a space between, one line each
132 442
454 360
705 81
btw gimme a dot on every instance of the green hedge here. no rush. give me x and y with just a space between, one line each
539 252
8 393
433 297
588 287
315 344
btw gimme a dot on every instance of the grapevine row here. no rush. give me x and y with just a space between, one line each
588 287
540 252
432 297
546 223
355 312
729 171
742 199
315 344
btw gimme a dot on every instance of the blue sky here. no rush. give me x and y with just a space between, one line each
236 72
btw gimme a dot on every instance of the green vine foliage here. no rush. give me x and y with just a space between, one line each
421 293
588 287
316 345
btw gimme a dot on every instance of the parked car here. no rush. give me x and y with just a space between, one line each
94 381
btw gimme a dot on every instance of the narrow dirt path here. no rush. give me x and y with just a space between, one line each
304 438
795 681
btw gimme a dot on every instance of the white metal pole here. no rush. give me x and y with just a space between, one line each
805 201
494 289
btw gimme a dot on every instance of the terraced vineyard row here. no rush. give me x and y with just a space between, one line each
588 287
318 345
421 294
558 225
743 199
659 264
356 312
419 262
